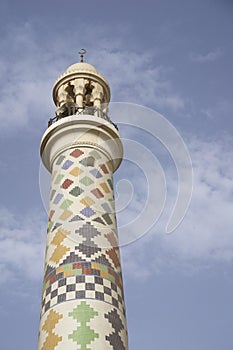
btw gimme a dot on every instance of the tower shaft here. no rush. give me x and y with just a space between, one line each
82 299
83 302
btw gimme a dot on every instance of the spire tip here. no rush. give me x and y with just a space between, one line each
82 52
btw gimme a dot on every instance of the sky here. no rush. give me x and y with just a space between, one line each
175 58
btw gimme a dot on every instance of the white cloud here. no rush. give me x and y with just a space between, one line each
204 238
28 70
208 57
22 246
29 67
138 78
222 107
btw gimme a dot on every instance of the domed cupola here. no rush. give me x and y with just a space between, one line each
81 89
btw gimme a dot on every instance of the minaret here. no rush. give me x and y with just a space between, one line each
83 301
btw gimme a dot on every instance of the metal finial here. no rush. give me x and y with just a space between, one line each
82 53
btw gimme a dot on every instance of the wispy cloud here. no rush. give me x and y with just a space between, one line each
27 80
138 78
26 91
22 246
210 56
204 238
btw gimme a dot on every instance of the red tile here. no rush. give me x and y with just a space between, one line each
76 153
103 167
66 183
97 193
77 265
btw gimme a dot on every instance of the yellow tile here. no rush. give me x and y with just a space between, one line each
67 273
95 266
58 253
60 269
65 215
104 274
105 187
87 201
76 171
52 338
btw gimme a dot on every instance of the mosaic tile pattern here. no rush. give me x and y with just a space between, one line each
82 290
84 334
82 268
52 339
85 324
83 287
114 338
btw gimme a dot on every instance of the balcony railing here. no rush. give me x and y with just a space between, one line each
70 109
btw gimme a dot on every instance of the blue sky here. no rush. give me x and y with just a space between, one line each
176 58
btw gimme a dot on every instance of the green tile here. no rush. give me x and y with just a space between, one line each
60 159
58 179
95 154
50 225
65 205
86 181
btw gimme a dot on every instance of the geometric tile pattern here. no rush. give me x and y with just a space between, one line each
82 268
83 287
115 338
113 253
83 301
52 339
102 319
60 250
88 246
83 335
78 174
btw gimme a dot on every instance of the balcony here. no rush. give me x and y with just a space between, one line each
71 108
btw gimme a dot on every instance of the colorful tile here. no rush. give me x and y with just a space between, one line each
76 153
97 193
84 334
76 191
58 197
110 183
104 168
106 208
66 203
52 194
67 164
96 173
76 171
52 338
58 179
65 215
86 181
105 187
114 338
88 212
60 250
95 154
60 159
88 161
87 201
66 183
107 218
